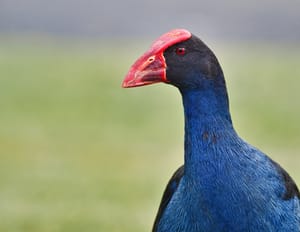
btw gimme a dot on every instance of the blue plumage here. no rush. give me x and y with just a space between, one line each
225 183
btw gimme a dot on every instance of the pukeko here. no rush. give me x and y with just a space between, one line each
225 183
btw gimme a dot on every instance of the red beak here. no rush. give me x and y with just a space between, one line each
151 67
148 69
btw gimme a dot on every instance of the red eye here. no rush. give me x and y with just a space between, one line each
180 51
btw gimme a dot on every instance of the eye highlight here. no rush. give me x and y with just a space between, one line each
180 51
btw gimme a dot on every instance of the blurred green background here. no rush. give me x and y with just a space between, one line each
79 153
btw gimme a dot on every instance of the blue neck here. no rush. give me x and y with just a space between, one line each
207 126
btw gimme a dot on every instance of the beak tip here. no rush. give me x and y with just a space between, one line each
125 86
128 81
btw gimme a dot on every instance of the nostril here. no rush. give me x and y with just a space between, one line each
151 59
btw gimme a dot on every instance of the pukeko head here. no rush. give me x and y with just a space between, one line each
178 58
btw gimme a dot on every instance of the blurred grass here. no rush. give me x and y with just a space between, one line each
78 153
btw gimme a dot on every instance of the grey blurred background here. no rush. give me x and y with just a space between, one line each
267 20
